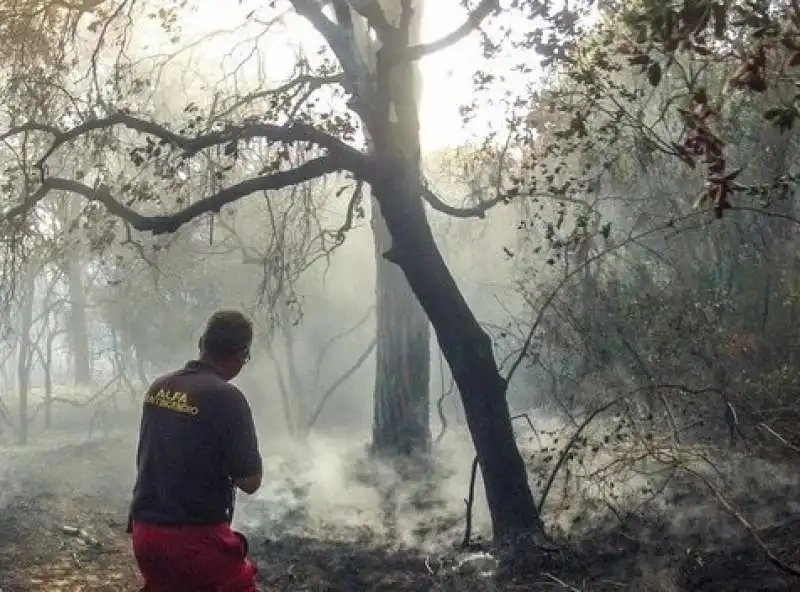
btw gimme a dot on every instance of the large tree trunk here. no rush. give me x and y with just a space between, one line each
401 398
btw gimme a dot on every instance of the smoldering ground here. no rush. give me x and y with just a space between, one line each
321 518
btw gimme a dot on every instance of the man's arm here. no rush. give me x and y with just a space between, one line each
243 458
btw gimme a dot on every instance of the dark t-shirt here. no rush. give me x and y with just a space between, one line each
196 436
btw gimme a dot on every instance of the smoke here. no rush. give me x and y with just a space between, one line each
326 487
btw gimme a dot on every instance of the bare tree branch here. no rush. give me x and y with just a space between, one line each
752 531
376 18
342 379
308 81
325 347
630 239
355 201
372 11
563 282
474 20
341 157
565 451
80 5
294 132
478 211
167 224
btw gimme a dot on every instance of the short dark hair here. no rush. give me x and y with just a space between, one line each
227 333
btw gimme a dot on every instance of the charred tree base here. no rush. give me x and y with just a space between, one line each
520 546
528 553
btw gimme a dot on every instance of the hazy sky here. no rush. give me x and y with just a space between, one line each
447 76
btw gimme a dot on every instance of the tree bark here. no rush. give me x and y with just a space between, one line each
401 398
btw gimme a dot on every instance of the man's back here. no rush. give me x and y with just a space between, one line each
197 441
196 436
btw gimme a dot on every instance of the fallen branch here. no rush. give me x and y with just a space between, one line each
82 536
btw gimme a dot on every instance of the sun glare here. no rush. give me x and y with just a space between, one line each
446 76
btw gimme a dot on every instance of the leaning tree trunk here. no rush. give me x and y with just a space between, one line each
468 351
466 347
401 398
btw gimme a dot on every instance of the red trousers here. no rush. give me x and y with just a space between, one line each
193 559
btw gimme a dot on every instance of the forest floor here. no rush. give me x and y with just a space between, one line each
51 495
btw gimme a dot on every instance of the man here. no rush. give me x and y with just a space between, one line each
197 443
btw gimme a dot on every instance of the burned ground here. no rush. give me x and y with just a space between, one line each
62 529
